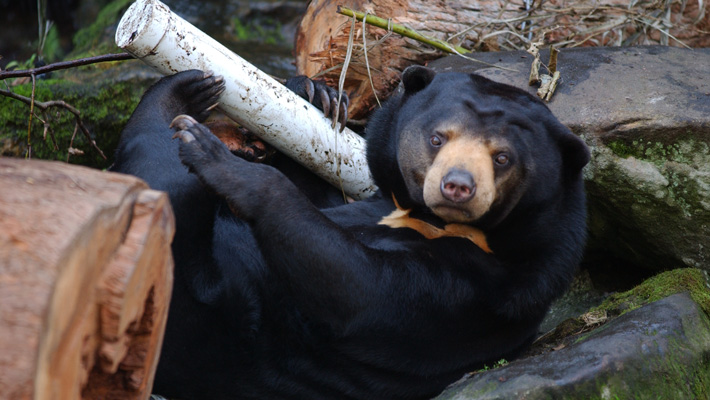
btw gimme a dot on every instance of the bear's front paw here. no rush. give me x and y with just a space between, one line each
322 96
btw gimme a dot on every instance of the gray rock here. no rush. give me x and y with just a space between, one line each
645 112
658 351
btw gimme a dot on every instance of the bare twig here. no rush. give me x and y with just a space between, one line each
29 124
45 106
71 142
402 30
64 65
412 34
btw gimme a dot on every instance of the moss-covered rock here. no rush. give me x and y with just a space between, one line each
659 351
650 342
693 281
105 105
105 94
651 200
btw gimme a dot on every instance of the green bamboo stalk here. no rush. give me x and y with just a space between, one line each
402 30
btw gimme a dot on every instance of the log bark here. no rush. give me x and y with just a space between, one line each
322 38
85 282
484 25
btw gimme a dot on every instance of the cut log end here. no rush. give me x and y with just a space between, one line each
86 266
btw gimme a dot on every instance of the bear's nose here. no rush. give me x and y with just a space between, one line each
458 185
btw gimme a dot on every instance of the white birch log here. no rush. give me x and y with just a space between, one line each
160 38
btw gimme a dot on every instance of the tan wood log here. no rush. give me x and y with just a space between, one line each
85 282
322 38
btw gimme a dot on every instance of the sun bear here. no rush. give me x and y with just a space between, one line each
478 224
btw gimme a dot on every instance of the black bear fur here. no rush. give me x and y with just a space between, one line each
276 298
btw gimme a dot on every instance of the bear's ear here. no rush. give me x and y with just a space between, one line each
416 78
575 152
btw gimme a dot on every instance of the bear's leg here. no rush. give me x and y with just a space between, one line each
145 149
299 242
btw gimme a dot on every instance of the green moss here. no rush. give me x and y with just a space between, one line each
691 280
678 372
668 376
105 107
671 367
500 363
620 149
262 29
633 183
685 150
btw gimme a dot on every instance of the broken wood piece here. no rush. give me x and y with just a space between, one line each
85 282
534 49
535 70
552 65
544 89
553 85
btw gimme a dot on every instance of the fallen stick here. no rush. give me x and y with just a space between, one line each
168 43
402 30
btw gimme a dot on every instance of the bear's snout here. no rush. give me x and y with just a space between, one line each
458 185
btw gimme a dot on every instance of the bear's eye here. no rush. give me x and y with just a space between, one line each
502 159
435 141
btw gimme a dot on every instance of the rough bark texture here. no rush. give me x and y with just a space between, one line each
322 37
85 281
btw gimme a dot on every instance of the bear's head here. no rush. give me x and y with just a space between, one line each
468 149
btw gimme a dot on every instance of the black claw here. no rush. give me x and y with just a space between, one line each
346 100
310 90
343 115
334 107
325 102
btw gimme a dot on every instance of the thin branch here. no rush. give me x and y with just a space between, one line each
64 65
44 106
29 124
71 142
412 34
402 30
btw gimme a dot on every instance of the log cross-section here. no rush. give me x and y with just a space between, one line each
85 282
